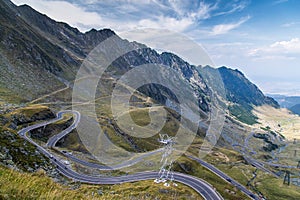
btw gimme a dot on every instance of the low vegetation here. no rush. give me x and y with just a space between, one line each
16 185
243 114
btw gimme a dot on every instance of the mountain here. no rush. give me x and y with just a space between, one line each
295 109
241 91
35 51
39 55
286 101
243 95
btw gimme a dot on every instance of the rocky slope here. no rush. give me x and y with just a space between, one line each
40 55
243 95
36 51
15 152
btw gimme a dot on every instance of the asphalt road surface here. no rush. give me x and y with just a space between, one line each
225 177
202 187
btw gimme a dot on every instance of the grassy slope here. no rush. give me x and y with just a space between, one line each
16 185
273 188
270 187
8 96
226 190
23 154
29 111
234 167
289 123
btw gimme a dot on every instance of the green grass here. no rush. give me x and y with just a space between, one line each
16 185
9 96
72 142
243 114
221 186
273 188
269 186
235 167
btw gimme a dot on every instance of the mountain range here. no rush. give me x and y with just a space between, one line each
39 56
290 102
39 62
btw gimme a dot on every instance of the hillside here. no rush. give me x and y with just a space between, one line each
243 95
16 185
39 60
295 109
34 44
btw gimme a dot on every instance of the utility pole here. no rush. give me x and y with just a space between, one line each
165 173
287 178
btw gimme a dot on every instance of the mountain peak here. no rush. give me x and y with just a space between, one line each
105 30
230 69
57 50
100 33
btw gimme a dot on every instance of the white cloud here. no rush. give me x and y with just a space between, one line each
121 15
278 50
279 2
290 24
291 46
225 28
192 9
235 8
184 15
65 11
166 22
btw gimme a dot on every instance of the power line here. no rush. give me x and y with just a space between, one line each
165 173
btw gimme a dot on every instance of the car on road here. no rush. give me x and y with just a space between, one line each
66 162
229 180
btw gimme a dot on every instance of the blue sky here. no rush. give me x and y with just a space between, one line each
259 37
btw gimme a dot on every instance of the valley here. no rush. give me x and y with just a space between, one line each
73 128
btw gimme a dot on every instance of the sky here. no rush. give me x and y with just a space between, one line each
261 38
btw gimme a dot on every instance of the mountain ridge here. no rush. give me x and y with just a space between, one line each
35 44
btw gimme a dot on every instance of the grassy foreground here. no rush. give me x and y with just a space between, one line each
16 185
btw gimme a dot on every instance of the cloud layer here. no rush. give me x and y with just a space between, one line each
225 28
120 15
289 49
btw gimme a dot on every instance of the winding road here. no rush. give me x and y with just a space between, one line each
261 164
202 187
